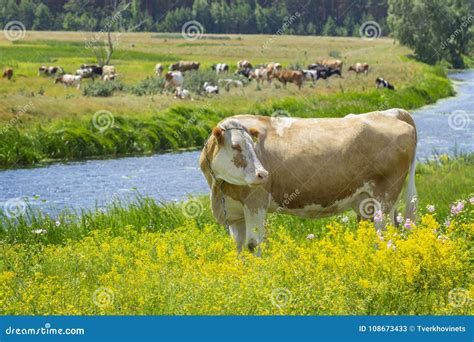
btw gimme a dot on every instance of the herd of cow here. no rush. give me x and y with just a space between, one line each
174 78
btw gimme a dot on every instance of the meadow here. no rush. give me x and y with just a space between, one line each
173 259
41 121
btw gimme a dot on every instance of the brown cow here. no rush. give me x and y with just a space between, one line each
184 66
290 76
359 67
8 73
331 63
308 168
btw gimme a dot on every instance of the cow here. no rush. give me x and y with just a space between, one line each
310 168
210 89
315 66
325 73
8 73
184 66
50 70
244 72
158 70
173 79
244 64
111 77
272 68
311 75
228 83
90 71
259 75
290 76
108 70
359 68
331 63
181 93
381 83
69 80
220 68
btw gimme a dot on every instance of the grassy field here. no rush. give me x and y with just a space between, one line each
151 258
42 121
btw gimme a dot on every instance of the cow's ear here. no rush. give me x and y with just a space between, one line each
218 133
254 132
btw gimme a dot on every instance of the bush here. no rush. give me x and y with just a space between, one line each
194 80
101 89
148 86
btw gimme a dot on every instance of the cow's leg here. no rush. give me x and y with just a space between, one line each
237 230
254 227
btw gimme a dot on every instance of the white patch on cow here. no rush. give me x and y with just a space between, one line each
281 123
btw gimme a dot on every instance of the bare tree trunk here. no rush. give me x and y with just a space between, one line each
110 50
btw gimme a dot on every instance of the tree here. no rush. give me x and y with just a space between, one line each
436 30
43 18
330 28
26 13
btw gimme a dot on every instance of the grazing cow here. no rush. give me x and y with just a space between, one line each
325 73
182 94
184 66
311 75
272 68
69 80
308 167
244 64
381 83
331 63
109 77
108 70
90 71
50 70
158 70
220 68
316 66
359 67
259 75
173 79
210 89
244 72
290 76
8 73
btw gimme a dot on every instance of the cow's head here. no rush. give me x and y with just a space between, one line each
234 159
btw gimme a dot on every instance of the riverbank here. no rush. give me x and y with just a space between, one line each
151 258
41 121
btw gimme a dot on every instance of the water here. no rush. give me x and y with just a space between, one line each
445 127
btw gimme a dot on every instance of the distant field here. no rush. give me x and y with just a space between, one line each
64 115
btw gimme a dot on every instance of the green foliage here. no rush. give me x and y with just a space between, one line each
194 80
436 30
148 86
101 88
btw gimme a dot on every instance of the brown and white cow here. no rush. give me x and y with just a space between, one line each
244 64
173 79
8 73
308 167
290 76
359 68
185 66
158 70
50 70
69 80
331 63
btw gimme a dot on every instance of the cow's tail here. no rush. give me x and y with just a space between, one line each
412 197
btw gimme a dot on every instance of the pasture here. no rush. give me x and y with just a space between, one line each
38 117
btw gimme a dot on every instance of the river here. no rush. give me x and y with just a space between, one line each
444 127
